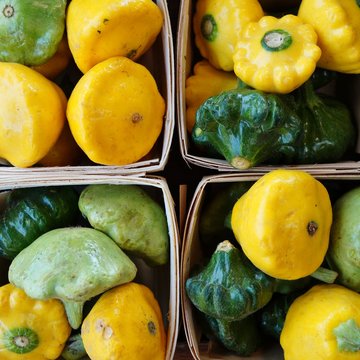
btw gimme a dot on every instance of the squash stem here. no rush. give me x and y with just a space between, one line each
74 313
325 275
240 163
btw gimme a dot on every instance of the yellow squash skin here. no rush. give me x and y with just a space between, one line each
46 318
276 55
125 323
115 112
217 25
312 325
205 82
283 223
32 114
337 23
98 30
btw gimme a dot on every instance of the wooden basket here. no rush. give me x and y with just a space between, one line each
186 54
192 255
163 280
159 60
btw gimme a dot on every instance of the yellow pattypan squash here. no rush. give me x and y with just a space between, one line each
205 82
115 112
125 323
337 23
217 25
276 55
323 323
31 329
32 114
58 63
283 223
98 30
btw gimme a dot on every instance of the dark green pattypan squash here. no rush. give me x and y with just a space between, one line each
73 265
328 131
229 287
272 315
242 337
127 213
247 126
32 212
30 31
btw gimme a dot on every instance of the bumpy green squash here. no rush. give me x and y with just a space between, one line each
272 315
242 337
249 127
32 212
31 31
229 287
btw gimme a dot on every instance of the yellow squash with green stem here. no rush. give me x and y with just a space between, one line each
31 329
276 55
324 323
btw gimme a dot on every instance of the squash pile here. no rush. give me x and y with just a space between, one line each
280 265
72 87
276 112
73 287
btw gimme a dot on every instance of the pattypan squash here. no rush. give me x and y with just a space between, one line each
31 329
247 127
229 287
337 23
125 323
32 114
31 212
206 81
276 55
131 217
116 112
217 25
30 31
73 265
283 223
243 337
99 30
343 255
323 323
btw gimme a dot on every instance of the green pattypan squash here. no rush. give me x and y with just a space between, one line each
30 31
126 213
73 265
